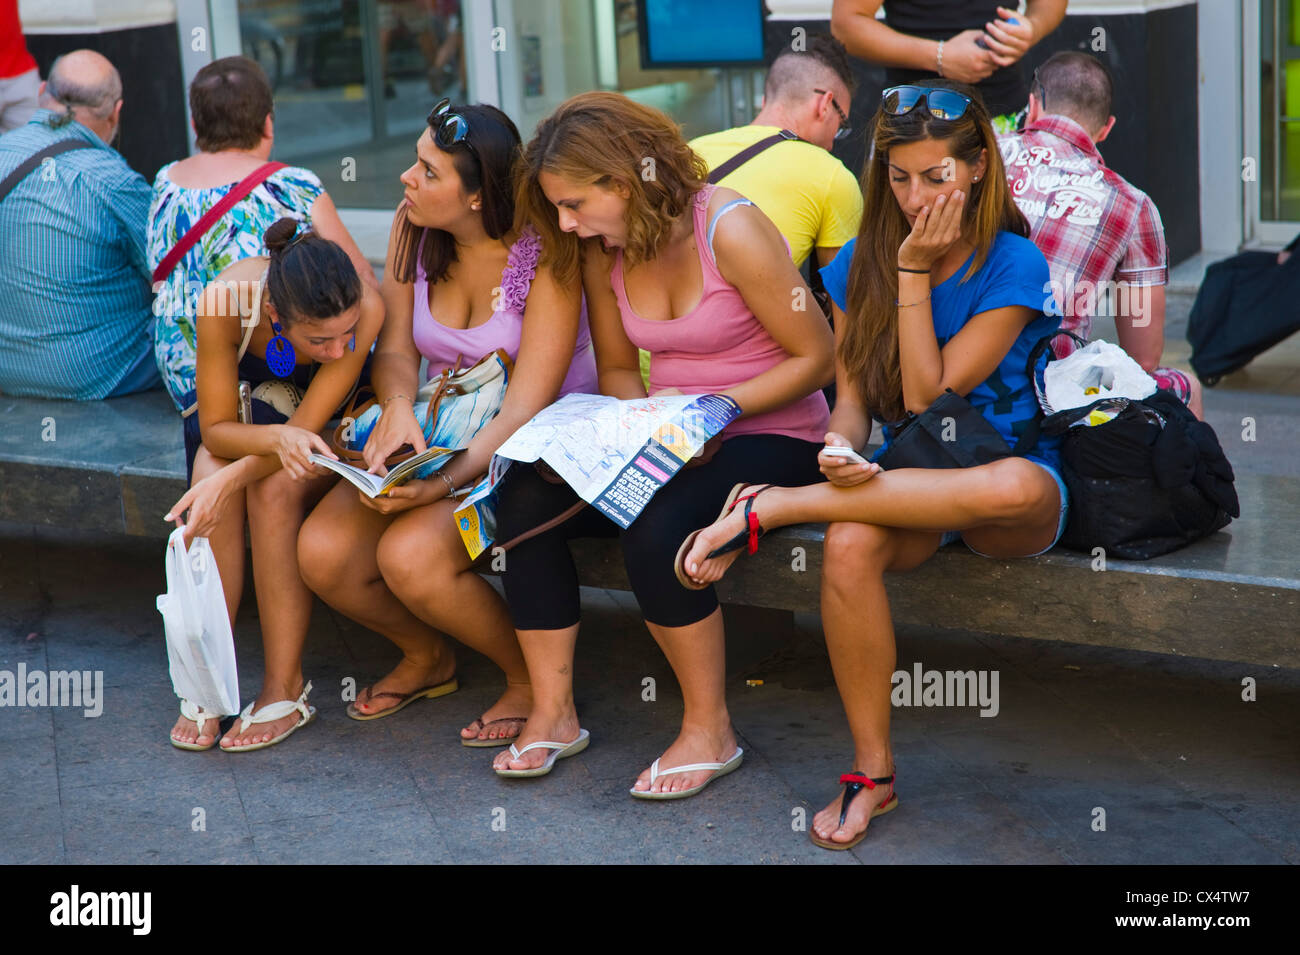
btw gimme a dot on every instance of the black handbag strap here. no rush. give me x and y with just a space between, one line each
1029 437
27 165
746 154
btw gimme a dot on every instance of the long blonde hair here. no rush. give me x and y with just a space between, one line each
869 346
601 138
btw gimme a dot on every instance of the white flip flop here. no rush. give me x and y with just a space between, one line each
269 714
719 769
558 751
198 715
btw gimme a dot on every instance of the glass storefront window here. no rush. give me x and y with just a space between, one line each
1279 127
354 79
565 47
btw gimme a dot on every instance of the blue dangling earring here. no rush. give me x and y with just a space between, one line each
280 357
352 342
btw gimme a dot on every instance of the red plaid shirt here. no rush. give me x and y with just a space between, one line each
1091 225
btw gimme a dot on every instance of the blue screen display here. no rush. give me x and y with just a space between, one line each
703 31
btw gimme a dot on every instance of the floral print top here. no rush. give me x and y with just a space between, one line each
287 192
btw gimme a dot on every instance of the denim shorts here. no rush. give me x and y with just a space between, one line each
951 537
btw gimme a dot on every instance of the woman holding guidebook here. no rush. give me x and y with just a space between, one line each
297 324
942 289
460 282
700 278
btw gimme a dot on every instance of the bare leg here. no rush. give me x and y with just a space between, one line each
1008 508
697 654
549 655
227 542
277 505
424 562
338 551
860 642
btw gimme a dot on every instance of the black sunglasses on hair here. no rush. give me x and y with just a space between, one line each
451 129
941 103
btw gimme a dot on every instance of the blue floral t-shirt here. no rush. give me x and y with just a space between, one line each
1015 273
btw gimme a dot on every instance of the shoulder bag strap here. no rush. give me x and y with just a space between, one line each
240 190
746 154
248 336
27 165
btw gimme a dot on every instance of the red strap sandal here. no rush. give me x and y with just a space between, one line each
854 783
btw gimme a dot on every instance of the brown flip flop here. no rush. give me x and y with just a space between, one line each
431 692
500 740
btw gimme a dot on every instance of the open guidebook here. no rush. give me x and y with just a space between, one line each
614 454
373 485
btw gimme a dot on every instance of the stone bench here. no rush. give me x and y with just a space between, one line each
117 466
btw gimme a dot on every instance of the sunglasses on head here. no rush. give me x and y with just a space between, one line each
941 103
450 129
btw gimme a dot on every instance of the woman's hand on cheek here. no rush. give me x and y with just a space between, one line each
936 228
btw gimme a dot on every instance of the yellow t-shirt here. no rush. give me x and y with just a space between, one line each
808 193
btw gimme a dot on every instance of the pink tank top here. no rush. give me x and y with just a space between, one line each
716 345
442 345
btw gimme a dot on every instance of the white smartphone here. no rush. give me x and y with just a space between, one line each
852 456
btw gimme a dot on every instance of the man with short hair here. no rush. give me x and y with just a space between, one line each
811 197
1099 233
75 300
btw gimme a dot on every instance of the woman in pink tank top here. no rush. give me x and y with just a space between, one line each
703 281
459 282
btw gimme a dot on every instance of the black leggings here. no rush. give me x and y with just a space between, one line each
541 582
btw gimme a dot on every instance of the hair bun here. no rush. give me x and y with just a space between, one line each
280 235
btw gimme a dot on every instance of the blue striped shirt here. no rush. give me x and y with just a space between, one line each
75 297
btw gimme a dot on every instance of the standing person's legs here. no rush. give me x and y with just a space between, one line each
687 624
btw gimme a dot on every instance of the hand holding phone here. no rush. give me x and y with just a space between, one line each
842 452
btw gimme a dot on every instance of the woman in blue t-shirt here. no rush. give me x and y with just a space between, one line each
941 289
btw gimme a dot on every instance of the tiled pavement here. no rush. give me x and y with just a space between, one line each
1186 771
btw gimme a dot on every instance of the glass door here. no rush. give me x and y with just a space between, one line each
353 81
1275 208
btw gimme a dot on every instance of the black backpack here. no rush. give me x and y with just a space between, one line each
1247 304
1147 482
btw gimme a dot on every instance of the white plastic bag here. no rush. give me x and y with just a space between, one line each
1102 366
200 646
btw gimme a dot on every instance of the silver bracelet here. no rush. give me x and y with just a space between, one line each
451 485
939 59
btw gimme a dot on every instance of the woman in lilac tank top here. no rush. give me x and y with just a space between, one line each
460 281
703 281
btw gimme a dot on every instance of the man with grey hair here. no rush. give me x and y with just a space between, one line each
75 294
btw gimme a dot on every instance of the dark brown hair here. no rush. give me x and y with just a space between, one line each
495 141
869 346
599 139
310 278
229 102
1076 85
